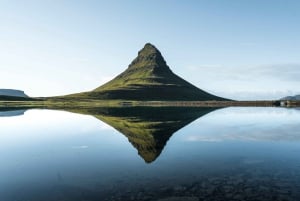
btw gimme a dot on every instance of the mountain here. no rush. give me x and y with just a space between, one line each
13 95
12 92
148 77
147 128
291 98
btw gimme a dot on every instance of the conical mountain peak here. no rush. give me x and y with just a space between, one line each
150 46
149 77
149 56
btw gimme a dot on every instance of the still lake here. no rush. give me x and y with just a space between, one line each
150 154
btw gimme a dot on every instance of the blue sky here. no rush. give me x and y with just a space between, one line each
236 49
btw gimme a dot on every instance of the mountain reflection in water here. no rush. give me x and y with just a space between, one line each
147 128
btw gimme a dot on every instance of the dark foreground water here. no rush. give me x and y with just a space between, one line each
144 154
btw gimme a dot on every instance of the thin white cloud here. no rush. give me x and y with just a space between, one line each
248 82
246 124
80 147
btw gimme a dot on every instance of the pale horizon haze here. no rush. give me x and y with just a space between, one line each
243 50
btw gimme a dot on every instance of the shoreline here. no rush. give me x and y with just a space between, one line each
56 104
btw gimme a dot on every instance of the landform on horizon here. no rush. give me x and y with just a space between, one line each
148 77
12 92
13 95
291 98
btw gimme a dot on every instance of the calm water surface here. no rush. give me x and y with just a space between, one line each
150 154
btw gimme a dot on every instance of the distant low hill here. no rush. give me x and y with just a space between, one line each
13 95
148 77
12 92
291 98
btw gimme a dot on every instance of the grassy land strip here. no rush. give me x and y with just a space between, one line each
57 104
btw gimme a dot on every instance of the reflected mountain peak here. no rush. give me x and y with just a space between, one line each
147 128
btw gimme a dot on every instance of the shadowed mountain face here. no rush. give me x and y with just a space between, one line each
148 77
147 128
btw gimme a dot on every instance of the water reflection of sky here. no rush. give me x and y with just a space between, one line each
245 124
